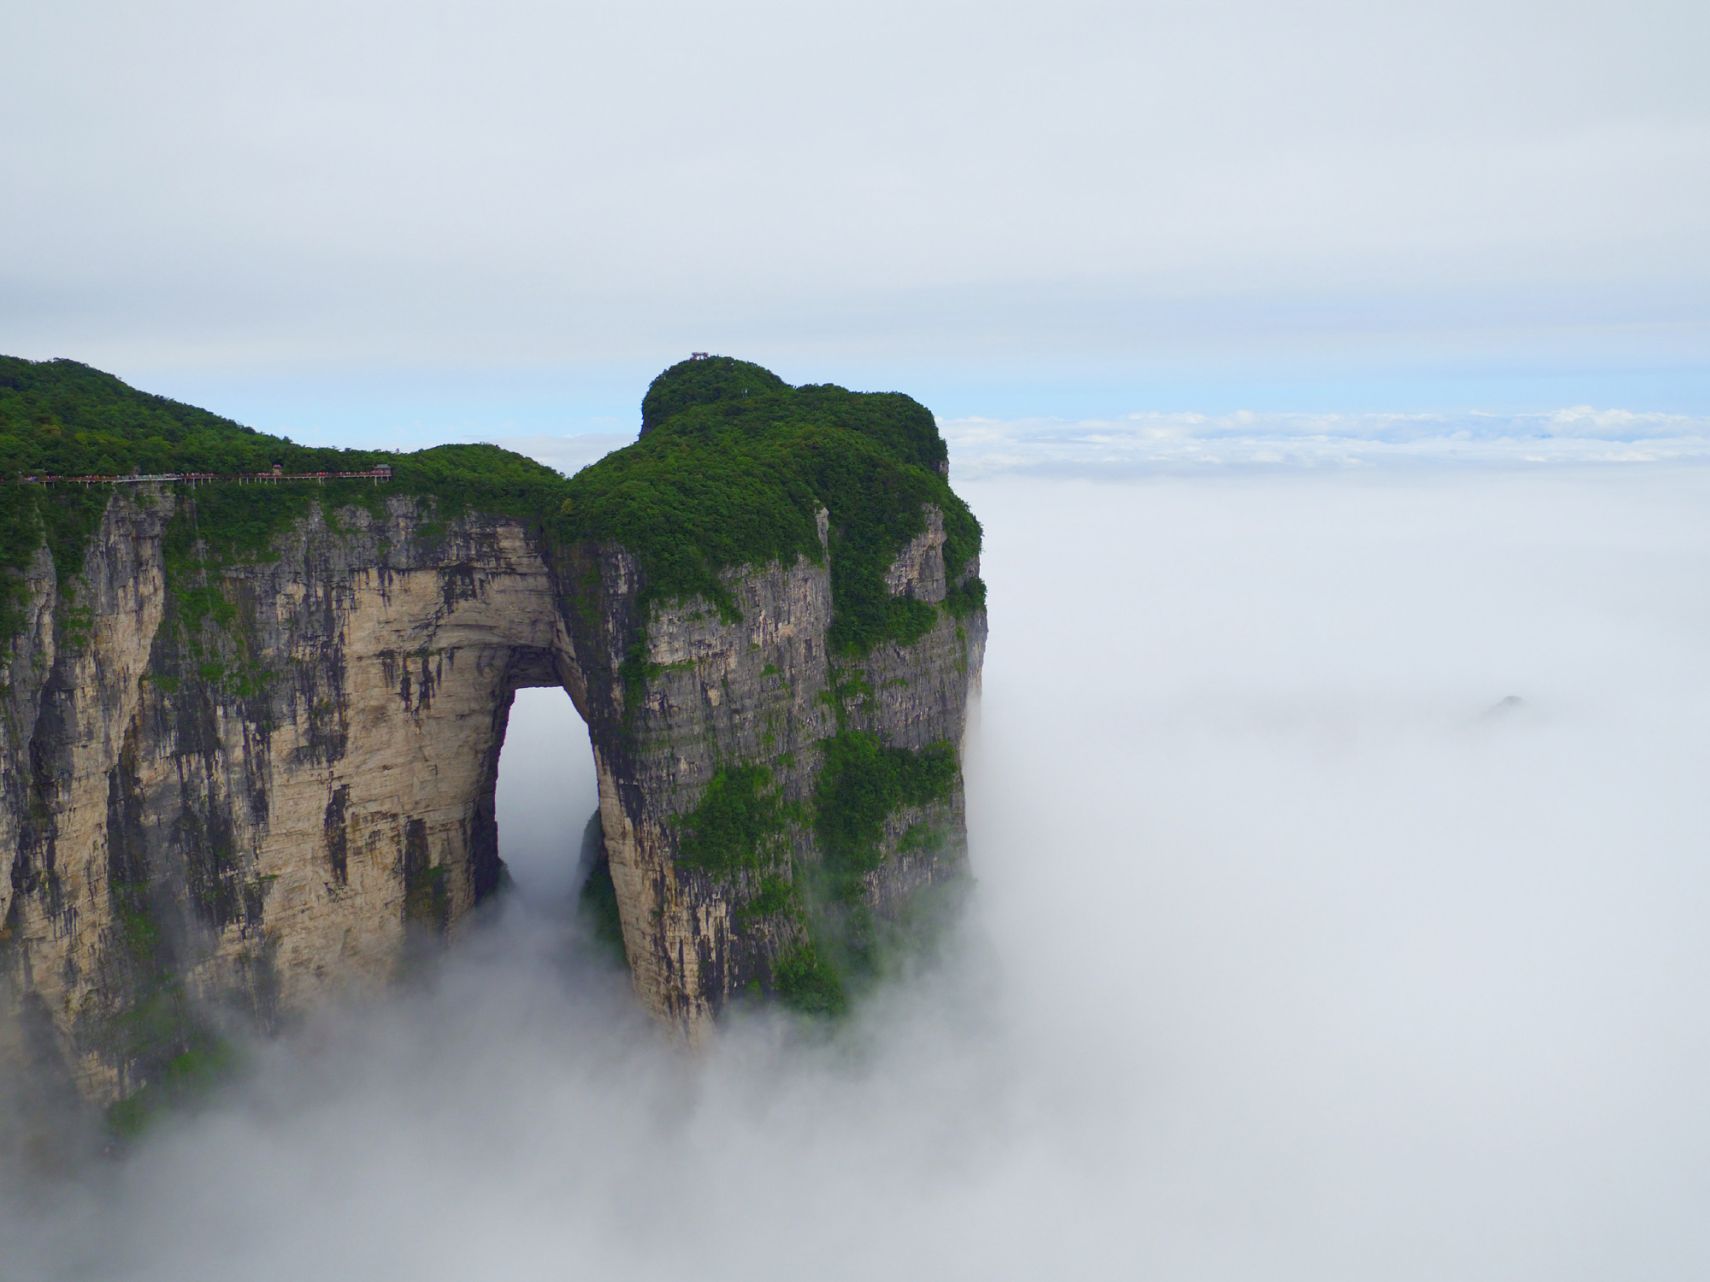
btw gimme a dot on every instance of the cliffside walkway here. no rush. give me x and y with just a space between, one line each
376 474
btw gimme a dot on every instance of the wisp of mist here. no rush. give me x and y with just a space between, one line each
1296 952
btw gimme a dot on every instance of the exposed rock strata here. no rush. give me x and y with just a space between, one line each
233 819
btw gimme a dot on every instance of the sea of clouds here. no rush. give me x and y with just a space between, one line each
1295 953
1141 444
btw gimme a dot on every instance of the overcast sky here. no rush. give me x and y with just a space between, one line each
398 222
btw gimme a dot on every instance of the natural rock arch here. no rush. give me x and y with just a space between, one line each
261 850
250 721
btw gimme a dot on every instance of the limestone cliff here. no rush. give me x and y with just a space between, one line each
236 780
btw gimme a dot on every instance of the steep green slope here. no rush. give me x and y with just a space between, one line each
64 417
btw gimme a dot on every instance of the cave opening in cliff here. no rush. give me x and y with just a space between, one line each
545 795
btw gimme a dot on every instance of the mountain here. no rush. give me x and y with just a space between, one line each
251 727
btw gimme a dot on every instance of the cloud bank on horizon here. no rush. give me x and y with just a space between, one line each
1154 442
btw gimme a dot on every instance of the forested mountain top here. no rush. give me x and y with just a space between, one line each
730 469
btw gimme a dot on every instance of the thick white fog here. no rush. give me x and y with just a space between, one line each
1289 959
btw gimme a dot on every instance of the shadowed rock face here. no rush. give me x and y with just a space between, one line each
206 822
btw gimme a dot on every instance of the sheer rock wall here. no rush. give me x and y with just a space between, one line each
235 816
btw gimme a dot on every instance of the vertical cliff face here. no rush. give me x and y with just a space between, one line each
744 711
233 785
238 808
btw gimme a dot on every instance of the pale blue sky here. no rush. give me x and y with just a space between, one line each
388 223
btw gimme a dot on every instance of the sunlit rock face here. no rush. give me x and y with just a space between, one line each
225 808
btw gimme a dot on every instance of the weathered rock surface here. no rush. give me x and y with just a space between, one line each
234 815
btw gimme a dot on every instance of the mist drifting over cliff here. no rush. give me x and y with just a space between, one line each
1289 959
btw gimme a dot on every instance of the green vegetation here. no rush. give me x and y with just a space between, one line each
722 479
216 526
68 521
739 830
737 392
733 468
202 1065
427 897
774 895
861 782
917 837
805 982
235 523
703 382
739 822
239 528
597 901
29 517
64 418
138 931
155 1033
968 597
730 470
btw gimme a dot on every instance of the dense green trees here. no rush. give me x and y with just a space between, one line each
703 381
718 389
737 480
66 418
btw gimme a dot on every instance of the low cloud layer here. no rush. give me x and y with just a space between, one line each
1147 443
1286 962
1153 443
